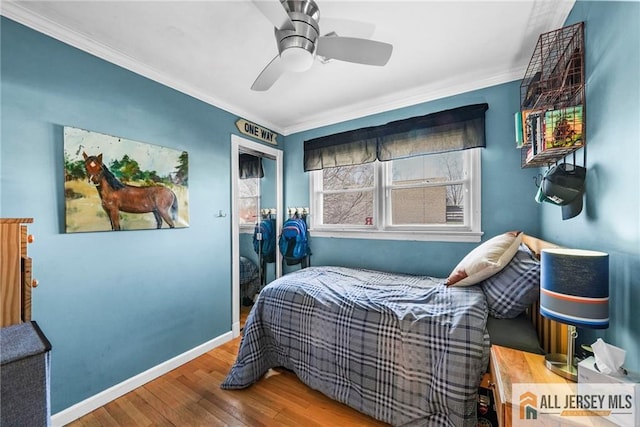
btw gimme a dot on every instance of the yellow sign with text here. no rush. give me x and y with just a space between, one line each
256 131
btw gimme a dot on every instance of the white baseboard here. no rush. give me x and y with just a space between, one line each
92 403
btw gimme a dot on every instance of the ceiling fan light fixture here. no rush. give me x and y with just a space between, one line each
297 35
297 59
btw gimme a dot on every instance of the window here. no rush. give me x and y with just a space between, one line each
415 178
432 197
248 202
346 195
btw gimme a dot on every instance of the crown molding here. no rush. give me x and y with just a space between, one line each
408 98
428 93
16 12
13 10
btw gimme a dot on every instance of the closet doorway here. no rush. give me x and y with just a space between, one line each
244 220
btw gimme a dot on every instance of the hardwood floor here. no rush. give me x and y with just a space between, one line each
191 396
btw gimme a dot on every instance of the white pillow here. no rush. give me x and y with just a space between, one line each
486 260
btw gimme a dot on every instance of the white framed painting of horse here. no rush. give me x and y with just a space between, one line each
113 184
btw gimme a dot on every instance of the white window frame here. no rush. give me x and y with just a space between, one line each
469 231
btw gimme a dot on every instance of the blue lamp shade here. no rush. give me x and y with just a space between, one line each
574 287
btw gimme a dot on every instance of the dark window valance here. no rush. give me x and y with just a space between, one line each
250 166
457 129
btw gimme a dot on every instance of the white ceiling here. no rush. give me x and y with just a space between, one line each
214 50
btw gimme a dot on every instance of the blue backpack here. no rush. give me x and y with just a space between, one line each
264 239
294 242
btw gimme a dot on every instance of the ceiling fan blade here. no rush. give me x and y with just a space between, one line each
275 13
351 49
269 75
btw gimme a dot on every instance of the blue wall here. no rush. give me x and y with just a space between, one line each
507 190
610 220
112 304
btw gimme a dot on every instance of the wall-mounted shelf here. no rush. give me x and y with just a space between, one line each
552 98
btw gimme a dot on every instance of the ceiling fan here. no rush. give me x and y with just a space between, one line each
298 37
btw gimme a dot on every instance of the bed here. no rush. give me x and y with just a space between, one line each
249 280
404 349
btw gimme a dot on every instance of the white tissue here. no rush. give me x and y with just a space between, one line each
609 358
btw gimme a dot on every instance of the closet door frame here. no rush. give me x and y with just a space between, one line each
238 145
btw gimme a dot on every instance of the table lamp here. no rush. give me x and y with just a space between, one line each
574 290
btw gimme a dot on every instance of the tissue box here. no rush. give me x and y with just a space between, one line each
587 373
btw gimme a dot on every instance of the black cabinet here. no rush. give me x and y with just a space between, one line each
24 376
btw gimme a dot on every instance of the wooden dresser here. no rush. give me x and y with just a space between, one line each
15 271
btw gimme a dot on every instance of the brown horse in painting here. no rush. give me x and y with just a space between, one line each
117 196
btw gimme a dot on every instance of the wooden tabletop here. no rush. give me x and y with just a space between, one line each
511 366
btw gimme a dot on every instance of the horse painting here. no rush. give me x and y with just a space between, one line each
116 196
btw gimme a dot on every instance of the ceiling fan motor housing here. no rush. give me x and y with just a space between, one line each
299 42
304 16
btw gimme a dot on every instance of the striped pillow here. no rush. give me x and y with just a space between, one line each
514 288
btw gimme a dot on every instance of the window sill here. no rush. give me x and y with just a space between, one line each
247 229
420 236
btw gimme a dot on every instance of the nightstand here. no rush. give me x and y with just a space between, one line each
508 367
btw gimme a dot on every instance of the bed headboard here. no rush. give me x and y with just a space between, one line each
552 334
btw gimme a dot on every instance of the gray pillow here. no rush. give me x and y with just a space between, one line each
510 291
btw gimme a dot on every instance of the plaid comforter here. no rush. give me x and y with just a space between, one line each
404 349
